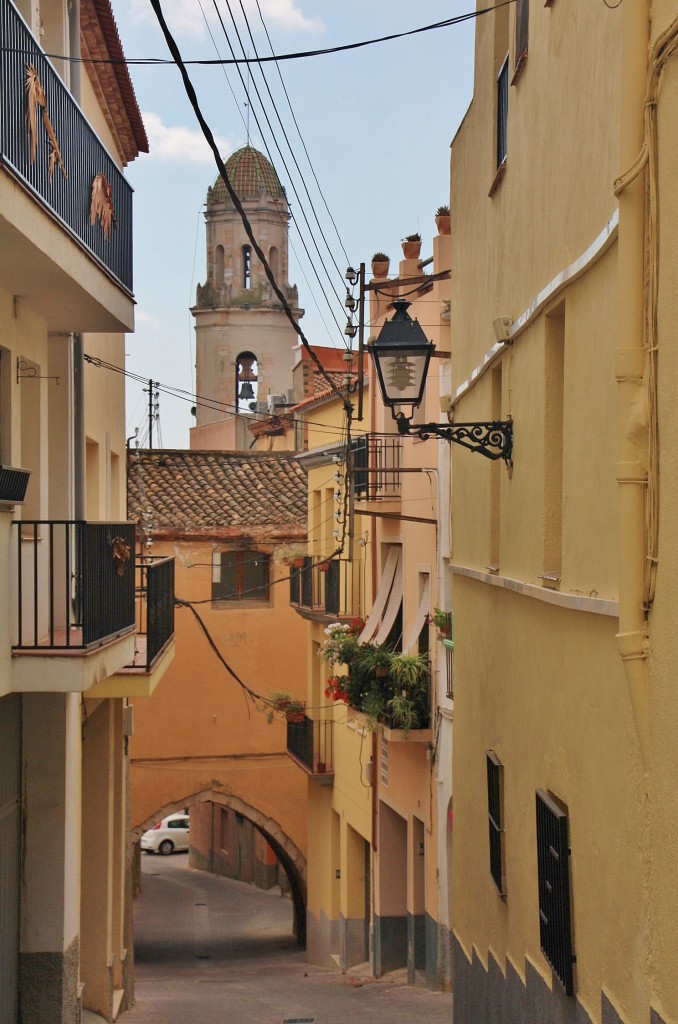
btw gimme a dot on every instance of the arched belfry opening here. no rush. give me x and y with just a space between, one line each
237 312
246 382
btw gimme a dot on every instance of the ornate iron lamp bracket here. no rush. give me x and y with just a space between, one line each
493 439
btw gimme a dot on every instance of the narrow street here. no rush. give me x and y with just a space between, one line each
211 950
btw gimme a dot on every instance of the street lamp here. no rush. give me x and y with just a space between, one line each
401 355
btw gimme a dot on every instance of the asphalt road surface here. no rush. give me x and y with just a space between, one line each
212 951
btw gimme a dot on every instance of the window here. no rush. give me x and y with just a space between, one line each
502 112
219 265
522 25
240 576
495 813
553 865
246 266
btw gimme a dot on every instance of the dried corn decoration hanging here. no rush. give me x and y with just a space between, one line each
102 208
35 96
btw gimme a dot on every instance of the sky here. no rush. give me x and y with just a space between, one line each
376 123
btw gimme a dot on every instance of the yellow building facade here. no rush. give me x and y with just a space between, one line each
374 842
562 897
69 626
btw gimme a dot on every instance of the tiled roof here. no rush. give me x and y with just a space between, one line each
248 172
217 492
110 78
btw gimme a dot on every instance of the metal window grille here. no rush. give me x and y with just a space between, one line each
553 856
307 583
449 668
495 800
502 112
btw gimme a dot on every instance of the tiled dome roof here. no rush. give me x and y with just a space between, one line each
249 171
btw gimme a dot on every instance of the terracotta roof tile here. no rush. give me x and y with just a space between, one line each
197 492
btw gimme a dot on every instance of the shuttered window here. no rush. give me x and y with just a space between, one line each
495 814
553 863
240 576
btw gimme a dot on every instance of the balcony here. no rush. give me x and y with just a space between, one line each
32 253
327 590
377 467
309 743
74 603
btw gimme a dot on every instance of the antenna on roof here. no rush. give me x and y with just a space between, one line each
247 102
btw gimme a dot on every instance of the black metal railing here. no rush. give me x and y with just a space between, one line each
344 588
310 743
309 584
155 608
376 467
83 155
75 583
333 587
295 585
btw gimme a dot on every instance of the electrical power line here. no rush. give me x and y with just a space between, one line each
298 55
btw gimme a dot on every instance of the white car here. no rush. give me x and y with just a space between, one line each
168 836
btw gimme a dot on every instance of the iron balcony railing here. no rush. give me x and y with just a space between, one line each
309 742
67 197
332 587
376 467
74 583
155 604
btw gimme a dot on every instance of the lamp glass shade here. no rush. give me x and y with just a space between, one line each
401 357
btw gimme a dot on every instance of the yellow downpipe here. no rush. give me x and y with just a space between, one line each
630 369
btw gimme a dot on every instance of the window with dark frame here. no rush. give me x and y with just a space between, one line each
553 866
495 814
522 30
502 112
240 576
246 266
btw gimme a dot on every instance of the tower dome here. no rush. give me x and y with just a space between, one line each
249 172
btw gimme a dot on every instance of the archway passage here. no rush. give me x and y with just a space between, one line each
289 856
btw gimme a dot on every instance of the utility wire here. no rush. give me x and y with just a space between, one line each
298 55
235 199
301 139
289 146
268 152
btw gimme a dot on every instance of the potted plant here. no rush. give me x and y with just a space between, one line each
324 566
283 702
341 646
443 622
380 264
443 220
411 246
402 712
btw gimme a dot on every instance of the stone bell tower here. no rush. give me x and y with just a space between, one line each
244 341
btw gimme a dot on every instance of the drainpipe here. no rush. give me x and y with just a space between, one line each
630 368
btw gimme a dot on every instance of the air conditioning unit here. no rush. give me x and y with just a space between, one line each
274 400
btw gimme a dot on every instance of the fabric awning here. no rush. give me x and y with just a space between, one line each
423 609
380 601
395 599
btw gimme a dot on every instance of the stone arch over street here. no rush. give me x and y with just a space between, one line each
288 853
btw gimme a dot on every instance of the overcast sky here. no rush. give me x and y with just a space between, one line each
377 123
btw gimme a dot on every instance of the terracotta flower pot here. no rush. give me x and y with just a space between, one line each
443 224
380 269
411 250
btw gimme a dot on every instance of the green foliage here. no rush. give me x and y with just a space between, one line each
381 257
416 237
443 211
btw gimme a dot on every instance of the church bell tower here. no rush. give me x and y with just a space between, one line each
244 341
